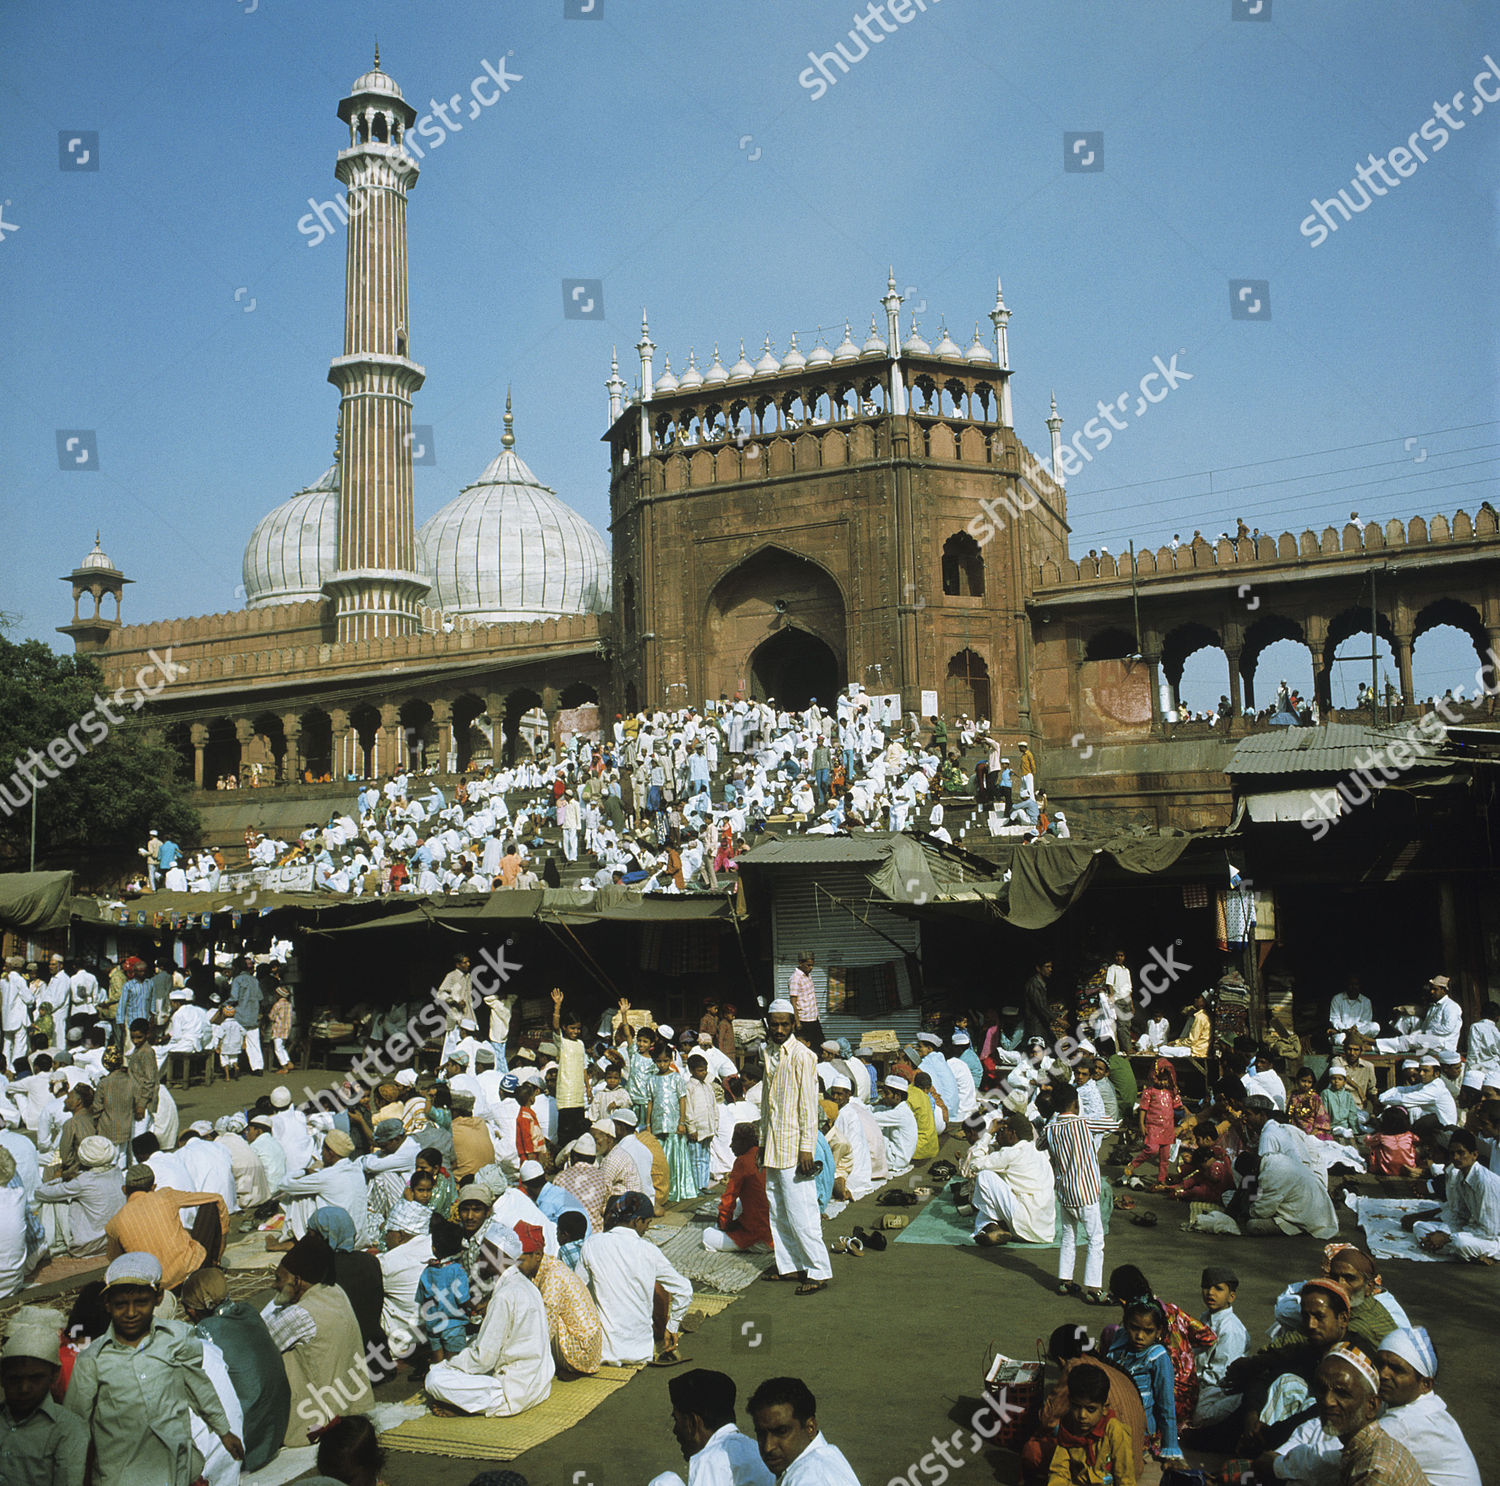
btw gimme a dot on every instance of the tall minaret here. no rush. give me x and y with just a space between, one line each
1054 427
377 588
892 303
1000 318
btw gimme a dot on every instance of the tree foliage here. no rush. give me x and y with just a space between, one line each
104 775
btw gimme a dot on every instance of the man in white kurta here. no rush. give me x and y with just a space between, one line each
897 1124
290 1128
1350 1008
622 1269
850 1145
337 1183
250 1182
508 1367
1439 1030
788 1141
401 1266
1014 1186
1415 1416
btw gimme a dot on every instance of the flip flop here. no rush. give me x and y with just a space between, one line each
668 1359
775 1277
1125 1203
810 1287
1145 1220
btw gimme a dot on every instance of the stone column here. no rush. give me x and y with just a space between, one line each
442 722
1152 641
244 731
1402 643
338 726
388 756
1236 705
291 726
198 733
551 705
1316 633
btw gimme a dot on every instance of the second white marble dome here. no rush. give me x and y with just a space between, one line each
508 549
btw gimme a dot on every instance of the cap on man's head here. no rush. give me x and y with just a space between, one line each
1428 1061
389 1129
407 1078
134 1269
781 1007
531 1170
339 1143
930 1037
533 1241
895 1082
96 1152
624 1116
262 1122
475 1192
281 1097
1220 1274
585 1145
1441 981
960 1039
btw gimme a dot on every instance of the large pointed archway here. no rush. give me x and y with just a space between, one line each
774 626
794 667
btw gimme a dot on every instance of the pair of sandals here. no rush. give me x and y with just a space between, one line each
1091 1296
805 1286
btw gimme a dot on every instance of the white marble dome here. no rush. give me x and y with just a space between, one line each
507 549
294 549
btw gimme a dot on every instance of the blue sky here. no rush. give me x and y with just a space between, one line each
669 149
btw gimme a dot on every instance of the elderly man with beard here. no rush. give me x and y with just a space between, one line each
1347 1390
508 1367
788 1141
315 1330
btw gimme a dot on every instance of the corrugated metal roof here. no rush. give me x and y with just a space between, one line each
814 850
1338 748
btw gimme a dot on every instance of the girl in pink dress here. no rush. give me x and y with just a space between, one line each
1160 1105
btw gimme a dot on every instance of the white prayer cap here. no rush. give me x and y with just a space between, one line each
33 1332
230 1124
530 1170
407 1078
585 1146
830 1046
505 1238
781 1007
1409 1063
930 1037
896 1082
1428 1061
960 1039
262 1122
1412 1345
1449 1057
625 1117
663 1030
134 1269
181 993
838 1081
201 1127
1337 1066
281 1097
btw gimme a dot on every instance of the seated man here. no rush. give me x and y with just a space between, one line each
315 1329
785 1416
508 1366
744 1221
1415 1416
704 1428
1014 1189
148 1223
572 1317
1347 1392
1286 1198
641 1297
898 1124
853 1178
1439 1028
1470 1218
93 1197
337 1182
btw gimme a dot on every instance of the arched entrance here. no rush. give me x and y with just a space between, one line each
794 667
774 624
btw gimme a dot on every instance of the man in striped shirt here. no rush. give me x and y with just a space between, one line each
788 1139
1068 1139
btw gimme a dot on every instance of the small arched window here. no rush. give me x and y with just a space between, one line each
963 566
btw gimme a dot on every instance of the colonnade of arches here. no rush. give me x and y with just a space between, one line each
368 739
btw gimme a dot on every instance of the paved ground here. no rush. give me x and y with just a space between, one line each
895 1348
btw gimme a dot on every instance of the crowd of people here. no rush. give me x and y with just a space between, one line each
482 1217
665 802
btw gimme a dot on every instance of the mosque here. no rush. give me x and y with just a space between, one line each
863 513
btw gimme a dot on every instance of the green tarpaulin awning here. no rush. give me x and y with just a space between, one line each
34 902
1047 880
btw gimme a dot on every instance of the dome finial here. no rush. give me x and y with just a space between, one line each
508 438
377 54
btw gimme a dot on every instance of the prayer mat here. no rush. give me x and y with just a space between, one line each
250 1253
708 1269
477 1438
1380 1217
940 1222
709 1305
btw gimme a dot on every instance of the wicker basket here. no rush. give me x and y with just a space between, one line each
1019 1386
